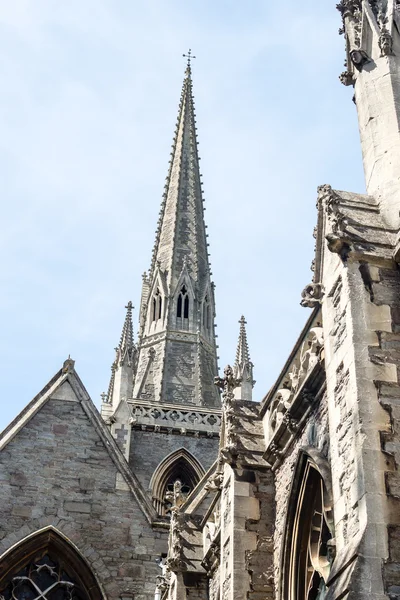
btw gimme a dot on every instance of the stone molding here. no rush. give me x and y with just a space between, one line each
181 419
295 394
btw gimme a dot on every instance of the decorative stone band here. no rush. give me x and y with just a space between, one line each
174 418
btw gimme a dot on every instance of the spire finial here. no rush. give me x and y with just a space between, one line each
189 57
126 340
243 368
242 352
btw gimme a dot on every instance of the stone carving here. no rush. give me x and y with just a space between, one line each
228 383
348 8
385 42
275 450
336 220
312 295
359 58
163 580
215 482
175 560
68 366
212 558
291 424
310 352
346 78
279 406
177 496
226 588
303 364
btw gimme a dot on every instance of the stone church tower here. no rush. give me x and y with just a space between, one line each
162 405
85 499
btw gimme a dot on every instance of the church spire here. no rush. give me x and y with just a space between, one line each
181 232
243 368
126 346
177 349
122 369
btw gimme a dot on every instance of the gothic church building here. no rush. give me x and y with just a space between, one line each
183 488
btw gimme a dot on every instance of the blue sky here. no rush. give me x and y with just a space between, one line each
89 99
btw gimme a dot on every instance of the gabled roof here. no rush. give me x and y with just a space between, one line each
67 386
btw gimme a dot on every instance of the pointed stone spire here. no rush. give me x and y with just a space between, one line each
177 308
243 368
126 346
181 234
122 369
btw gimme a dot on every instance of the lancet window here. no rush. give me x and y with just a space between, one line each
182 308
173 481
157 306
206 314
310 549
46 567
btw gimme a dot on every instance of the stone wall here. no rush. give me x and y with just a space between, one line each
57 472
359 319
260 562
150 448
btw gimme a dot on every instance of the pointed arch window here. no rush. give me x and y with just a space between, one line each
156 306
182 308
309 548
174 479
46 567
206 314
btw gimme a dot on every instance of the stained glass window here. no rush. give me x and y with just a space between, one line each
45 578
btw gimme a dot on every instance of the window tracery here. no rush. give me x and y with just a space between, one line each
311 549
43 579
45 566
174 479
182 308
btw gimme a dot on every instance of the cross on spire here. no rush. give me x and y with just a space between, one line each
189 57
